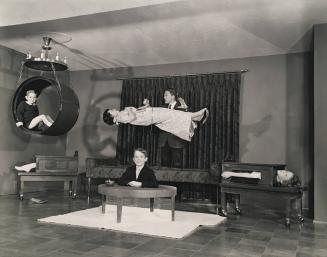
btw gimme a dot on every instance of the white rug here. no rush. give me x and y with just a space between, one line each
138 220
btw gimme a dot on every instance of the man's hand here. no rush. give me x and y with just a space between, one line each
183 104
146 102
18 124
135 184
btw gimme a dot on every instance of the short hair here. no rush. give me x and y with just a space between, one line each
172 91
142 150
31 91
107 118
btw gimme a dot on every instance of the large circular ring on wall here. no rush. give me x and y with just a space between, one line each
56 100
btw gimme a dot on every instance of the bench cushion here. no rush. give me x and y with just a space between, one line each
226 185
163 174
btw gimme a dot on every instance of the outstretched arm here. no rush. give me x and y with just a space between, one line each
146 104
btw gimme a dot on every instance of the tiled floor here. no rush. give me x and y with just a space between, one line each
256 233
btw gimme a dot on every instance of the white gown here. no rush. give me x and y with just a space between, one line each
176 122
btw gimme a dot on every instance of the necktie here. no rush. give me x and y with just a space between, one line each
137 173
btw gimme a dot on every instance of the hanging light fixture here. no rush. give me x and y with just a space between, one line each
46 61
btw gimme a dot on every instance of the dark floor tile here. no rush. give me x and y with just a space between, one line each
278 253
237 230
250 249
287 234
283 244
225 240
214 250
259 235
137 253
105 250
248 241
200 238
312 235
13 253
81 247
188 246
155 245
175 252
63 253
312 252
206 230
314 243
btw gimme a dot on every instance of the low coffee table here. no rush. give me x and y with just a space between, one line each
121 192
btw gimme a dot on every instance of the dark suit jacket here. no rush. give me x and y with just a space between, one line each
146 176
172 140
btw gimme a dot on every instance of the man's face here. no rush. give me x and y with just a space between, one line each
284 175
168 97
139 158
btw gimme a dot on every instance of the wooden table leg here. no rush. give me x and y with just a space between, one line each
21 190
74 187
119 209
298 202
88 188
224 203
151 204
237 204
173 208
104 200
217 199
70 188
288 213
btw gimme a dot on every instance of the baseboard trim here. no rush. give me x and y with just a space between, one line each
319 222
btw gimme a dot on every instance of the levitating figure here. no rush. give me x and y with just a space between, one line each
28 114
179 123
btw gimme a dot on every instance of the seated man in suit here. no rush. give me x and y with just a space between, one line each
139 175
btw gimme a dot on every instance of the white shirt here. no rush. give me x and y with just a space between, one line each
138 170
172 105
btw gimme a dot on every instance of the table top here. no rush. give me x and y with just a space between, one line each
137 192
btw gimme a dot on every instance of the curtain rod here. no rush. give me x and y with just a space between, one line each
181 75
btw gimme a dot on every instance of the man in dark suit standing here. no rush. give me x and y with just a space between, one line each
171 148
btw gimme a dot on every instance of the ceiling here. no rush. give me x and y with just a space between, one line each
125 33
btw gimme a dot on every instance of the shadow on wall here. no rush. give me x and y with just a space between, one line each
256 129
91 132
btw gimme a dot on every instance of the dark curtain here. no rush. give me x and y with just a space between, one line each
213 142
